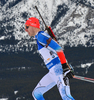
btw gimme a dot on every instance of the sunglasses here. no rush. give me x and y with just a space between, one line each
26 27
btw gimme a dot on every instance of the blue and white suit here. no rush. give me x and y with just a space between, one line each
55 74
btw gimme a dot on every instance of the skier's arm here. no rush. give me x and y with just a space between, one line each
66 68
58 50
46 40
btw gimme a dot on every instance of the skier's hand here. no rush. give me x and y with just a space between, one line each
68 74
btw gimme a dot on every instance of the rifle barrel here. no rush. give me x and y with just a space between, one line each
41 16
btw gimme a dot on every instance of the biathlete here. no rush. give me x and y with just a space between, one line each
54 59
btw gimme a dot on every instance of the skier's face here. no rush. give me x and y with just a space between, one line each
30 30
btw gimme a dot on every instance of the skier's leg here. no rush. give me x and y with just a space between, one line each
67 88
43 86
64 90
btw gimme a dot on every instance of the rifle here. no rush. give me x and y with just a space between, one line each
48 28
50 32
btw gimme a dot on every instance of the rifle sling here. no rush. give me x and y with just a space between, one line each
48 42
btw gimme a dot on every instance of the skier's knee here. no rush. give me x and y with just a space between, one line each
37 95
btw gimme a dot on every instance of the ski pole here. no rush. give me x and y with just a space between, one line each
83 78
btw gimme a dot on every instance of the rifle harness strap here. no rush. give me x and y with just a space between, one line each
48 42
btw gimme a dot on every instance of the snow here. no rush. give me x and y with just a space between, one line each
15 92
86 65
2 38
91 2
4 99
74 17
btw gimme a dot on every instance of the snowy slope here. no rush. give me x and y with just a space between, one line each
72 22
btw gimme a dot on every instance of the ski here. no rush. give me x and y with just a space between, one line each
83 78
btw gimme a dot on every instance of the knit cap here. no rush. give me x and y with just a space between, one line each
34 22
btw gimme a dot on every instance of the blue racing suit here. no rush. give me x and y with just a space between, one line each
51 53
